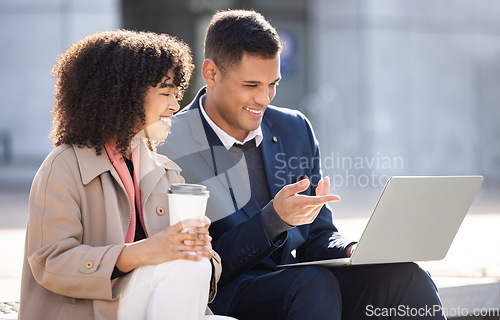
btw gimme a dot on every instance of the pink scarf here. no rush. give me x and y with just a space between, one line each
131 185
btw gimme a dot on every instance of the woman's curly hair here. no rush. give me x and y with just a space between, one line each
102 80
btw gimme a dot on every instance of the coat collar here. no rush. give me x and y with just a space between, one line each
92 165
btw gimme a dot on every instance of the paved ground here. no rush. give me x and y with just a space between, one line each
469 276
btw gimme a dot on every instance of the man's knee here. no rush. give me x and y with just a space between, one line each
384 273
404 273
387 285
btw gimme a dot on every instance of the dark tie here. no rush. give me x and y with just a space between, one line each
256 171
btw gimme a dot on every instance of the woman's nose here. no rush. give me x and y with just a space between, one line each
174 106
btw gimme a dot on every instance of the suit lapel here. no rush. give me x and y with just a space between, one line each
201 136
230 171
229 167
274 158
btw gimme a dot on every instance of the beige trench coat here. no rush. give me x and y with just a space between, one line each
79 214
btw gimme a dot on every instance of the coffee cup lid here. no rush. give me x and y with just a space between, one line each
188 188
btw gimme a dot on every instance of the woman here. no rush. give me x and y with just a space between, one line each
98 243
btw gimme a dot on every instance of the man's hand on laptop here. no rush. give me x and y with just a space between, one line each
350 249
297 209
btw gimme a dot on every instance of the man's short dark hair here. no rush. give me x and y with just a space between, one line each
234 32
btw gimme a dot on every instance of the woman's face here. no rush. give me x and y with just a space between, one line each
159 106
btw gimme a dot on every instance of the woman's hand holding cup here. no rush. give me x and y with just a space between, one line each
187 239
198 240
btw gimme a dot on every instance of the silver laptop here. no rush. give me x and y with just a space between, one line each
415 219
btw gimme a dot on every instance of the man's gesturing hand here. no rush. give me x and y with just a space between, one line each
296 209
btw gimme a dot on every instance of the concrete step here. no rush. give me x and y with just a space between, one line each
477 297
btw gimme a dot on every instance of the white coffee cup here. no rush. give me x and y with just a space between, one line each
187 201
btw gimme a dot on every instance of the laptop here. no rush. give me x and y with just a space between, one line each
416 218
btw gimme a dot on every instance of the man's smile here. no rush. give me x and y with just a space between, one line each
254 111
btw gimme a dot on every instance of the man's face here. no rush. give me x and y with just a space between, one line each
241 94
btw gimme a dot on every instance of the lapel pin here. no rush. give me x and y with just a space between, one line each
275 139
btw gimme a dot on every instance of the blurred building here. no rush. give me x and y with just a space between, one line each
391 86
32 34
416 79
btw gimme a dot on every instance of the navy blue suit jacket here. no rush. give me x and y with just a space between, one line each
289 150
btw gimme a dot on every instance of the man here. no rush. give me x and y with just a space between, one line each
263 206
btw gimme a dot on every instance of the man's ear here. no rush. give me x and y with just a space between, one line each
209 72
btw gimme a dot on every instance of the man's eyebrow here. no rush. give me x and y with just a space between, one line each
258 82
